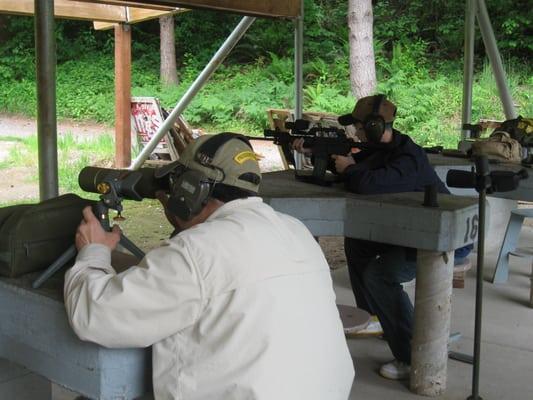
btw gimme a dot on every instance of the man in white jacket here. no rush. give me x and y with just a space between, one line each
238 304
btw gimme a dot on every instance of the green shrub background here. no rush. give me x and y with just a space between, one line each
418 49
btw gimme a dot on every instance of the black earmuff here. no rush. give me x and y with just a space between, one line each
192 189
190 193
374 125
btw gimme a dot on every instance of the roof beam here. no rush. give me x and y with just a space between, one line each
106 14
265 8
69 9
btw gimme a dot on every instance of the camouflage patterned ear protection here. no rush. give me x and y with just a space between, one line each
192 189
374 124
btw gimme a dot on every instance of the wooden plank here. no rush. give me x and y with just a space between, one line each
122 96
102 26
266 8
139 15
69 9
143 14
137 4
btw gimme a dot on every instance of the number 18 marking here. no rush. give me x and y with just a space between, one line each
471 228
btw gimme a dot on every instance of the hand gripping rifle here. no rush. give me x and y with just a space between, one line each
323 142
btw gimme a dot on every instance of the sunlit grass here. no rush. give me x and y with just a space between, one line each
74 153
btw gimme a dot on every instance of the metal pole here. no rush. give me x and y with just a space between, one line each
468 73
298 62
204 76
479 296
45 60
298 76
495 60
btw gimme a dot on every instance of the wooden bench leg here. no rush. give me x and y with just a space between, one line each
459 280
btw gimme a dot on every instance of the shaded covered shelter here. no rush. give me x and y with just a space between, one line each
125 12
120 14
46 77
104 15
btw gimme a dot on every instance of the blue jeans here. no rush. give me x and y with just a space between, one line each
376 273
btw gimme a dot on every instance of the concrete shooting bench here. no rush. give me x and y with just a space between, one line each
398 219
505 220
35 333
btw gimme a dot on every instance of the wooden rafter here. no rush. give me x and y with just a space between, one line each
138 15
92 11
267 8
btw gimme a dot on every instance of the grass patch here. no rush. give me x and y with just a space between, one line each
11 139
145 224
74 153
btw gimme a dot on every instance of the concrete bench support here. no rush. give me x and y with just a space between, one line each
433 297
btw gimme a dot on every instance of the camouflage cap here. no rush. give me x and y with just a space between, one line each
365 106
226 158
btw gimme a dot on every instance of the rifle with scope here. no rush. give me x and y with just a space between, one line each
323 141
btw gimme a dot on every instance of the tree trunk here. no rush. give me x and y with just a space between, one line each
362 62
169 73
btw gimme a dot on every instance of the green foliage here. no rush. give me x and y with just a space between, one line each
418 47
440 23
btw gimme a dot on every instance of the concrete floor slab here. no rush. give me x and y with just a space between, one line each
17 383
506 371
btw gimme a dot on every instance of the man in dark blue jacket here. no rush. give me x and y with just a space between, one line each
377 270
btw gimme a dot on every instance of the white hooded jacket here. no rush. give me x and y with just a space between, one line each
238 307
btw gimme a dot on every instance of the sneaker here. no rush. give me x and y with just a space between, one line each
372 329
396 370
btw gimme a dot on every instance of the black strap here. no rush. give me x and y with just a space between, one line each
380 98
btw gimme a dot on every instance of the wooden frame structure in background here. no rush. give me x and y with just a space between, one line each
105 16
91 11
120 14
260 8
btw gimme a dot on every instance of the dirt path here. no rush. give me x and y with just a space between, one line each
19 183
20 126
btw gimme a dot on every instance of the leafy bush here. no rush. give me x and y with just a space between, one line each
418 47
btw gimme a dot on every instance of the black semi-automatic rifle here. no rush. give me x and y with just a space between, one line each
323 142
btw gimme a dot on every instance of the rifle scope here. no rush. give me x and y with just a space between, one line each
131 185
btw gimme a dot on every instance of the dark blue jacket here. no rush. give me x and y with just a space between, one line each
401 166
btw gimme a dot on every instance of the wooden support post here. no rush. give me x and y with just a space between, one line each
122 95
433 296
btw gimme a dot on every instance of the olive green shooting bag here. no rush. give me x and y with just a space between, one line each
33 236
